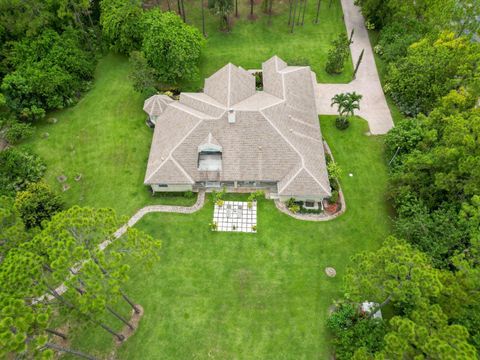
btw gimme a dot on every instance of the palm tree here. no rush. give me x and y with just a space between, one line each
347 103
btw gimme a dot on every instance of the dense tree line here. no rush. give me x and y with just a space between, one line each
428 275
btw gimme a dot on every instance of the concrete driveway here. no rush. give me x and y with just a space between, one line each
373 106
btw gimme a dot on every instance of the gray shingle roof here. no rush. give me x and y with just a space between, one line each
155 105
275 137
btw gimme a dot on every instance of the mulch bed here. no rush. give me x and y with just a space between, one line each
134 321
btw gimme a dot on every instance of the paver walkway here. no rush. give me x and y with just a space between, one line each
133 220
373 106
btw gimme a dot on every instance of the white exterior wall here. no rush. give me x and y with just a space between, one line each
284 198
172 188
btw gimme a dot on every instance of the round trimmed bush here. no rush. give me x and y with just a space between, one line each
342 123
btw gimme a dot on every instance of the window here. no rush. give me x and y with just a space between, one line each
210 161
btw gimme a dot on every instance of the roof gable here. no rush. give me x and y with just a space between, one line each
230 85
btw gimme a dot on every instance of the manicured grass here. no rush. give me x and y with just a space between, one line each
104 138
251 42
254 296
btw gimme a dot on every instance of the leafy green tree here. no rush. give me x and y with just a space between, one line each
444 166
337 55
427 334
394 273
37 203
47 72
395 38
432 67
18 168
121 24
12 230
171 47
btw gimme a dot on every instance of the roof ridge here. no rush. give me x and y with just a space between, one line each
209 100
293 147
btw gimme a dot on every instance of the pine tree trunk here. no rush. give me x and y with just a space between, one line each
120 317
251 9
300 2
57 333
294 14
69 351
130 302
168 5
205 35
270 5
290 12
184 15
318 11
304 8
236 8
179 8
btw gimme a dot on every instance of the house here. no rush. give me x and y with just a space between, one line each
231 135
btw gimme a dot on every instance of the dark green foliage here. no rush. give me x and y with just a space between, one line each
402 140
171 47
121 24
342 123
36 204
352 330
46 72
334 198
437 233
432 67
444 166
143 75
395 38
18 168
14 131
337 55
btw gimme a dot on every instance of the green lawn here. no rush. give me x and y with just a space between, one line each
252 42
104 138
255 296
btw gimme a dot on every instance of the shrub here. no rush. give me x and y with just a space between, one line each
188 194
352 330
219 202
14 131
258 80
213 226
342 123
294 208
142 75
18 168
334 170
334 198
337 55
36 204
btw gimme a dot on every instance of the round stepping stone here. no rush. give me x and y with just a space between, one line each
350 174
330 271
61 178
